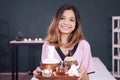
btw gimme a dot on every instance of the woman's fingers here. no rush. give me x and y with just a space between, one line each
37 71
81 70
79 77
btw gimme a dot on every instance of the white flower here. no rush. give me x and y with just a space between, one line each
73 71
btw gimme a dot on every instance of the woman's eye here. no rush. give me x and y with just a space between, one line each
72 20
61 18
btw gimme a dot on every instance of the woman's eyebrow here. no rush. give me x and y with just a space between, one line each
72 17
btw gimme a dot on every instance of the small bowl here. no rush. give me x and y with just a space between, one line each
50 66
47 73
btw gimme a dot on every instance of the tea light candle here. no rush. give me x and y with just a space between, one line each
36 39
29 39
40 39
47 72
25 39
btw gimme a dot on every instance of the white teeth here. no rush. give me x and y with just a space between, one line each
65 27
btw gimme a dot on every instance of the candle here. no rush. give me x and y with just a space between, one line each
47 72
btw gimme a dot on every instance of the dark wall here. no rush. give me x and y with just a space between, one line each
32 18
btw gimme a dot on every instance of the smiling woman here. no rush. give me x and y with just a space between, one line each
65 34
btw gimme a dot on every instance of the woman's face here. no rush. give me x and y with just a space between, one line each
67 22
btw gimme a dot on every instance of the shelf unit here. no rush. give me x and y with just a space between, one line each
116 46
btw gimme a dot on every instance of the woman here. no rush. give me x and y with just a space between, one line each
65 33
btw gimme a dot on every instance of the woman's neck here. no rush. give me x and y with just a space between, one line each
64 38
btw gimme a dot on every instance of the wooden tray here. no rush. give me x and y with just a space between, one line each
60 77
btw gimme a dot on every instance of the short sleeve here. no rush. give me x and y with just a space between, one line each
87 58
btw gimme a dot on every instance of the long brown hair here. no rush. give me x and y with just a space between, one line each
54 36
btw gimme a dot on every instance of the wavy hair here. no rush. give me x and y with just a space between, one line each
54 36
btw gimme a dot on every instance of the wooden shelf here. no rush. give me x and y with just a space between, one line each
116 30
116 57
115 46
116 74
26 42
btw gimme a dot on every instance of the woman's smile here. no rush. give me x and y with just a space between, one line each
65 27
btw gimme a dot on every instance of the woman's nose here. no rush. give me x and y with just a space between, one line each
66 21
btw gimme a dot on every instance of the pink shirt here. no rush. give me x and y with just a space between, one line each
82 55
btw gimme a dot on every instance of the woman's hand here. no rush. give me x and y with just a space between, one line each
36 72
83 74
